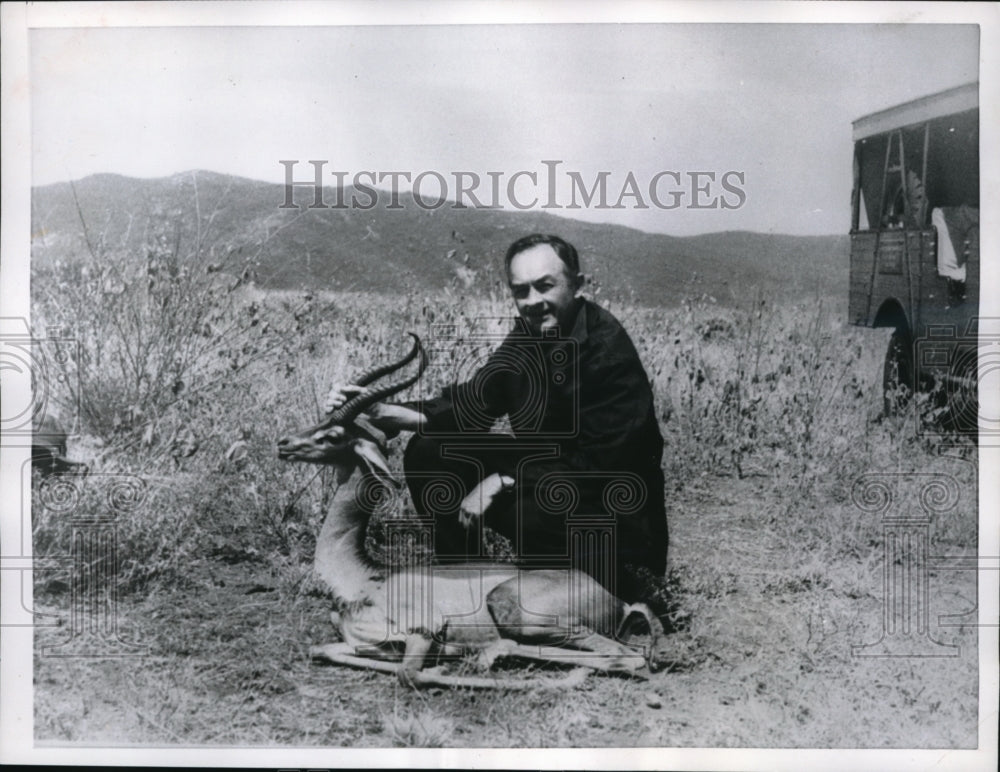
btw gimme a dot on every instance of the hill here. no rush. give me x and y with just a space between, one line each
225 221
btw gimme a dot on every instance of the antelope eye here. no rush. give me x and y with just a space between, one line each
329 436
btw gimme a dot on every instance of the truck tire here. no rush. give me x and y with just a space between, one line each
963 395
897 373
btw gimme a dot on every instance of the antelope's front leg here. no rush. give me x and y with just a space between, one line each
418 645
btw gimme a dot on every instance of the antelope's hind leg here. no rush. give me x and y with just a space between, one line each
380 660
418 646
589 650
641 628
345 654
560 631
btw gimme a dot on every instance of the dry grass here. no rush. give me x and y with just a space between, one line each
769 415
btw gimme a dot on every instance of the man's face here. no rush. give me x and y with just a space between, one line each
544 291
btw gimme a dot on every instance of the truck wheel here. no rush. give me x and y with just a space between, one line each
963 395
897 373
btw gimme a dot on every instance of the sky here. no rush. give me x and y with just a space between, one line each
772 104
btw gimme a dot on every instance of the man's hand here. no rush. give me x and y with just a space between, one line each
339 394
391 419
474 505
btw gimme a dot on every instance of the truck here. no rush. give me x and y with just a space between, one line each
914 262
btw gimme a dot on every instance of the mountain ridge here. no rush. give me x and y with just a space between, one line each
214 216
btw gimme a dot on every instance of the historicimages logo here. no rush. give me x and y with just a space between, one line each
549 188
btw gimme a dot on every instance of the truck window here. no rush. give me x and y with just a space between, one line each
953 161
901 176
870 164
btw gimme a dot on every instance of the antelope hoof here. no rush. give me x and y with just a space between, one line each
636 667
655 661
329 652
409 677
488 656
660 655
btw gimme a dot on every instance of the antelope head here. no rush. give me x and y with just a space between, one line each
344 438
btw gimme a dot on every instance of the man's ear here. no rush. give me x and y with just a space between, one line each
372 458
579 282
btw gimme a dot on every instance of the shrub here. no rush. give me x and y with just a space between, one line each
180 373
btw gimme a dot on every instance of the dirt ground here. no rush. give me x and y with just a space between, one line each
764 659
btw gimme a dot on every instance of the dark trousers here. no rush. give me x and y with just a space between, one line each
547 529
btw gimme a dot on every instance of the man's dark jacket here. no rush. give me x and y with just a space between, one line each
588 394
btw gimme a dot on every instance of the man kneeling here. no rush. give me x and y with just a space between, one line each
579 483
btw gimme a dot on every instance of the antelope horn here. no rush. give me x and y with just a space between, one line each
377 372
350 410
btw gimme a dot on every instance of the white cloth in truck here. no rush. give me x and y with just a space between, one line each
952 224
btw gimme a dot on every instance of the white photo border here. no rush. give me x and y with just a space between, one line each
16 705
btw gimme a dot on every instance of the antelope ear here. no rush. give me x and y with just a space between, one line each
373 459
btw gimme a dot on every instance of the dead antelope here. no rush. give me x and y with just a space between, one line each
405 616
